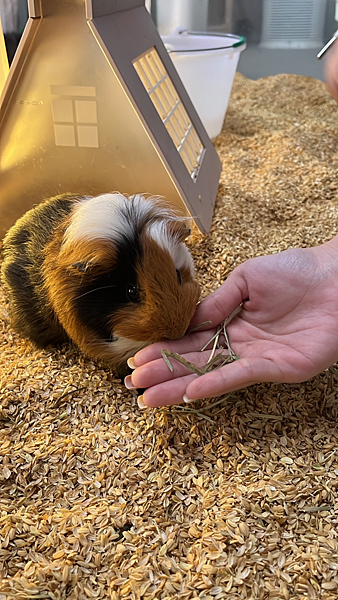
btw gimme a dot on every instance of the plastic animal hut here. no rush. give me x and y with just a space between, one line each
3 61
93 104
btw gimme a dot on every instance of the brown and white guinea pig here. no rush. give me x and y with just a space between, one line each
110 273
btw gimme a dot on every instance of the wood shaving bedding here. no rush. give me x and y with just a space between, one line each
99 499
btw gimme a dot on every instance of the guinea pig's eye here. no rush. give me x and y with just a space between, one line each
133 293
179 278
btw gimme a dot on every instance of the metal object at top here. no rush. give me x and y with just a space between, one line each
327 45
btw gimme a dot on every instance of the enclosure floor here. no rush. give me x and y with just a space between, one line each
99 499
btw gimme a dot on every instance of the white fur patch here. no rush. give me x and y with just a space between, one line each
98 218
125 347
158 232
183 258
111 216
180 254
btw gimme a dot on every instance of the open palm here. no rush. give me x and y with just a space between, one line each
287 330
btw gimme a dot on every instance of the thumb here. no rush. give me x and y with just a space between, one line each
221 303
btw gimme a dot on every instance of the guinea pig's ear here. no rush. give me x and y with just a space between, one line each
179 230
80 267
88 258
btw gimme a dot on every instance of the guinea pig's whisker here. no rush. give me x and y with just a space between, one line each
105 287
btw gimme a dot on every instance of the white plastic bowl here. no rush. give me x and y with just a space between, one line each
206 64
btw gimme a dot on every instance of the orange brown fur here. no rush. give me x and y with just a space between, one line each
77 287
161 316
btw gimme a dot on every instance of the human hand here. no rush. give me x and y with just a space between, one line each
331 70
287 330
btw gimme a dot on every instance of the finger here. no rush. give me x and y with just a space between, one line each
189 343
333 90
221 303
234 376
167 393
330 69
157 371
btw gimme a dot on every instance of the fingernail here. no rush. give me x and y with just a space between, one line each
128 383
140 402
130 363
186 399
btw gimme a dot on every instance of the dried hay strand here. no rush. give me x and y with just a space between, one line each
99 499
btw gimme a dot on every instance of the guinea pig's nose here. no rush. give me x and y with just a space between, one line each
176 332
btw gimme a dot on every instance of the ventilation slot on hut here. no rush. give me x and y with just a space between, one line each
162 92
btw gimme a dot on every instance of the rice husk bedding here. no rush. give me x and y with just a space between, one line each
99 499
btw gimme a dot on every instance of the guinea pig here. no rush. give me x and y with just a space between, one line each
110 273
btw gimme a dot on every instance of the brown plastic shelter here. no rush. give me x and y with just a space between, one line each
93 104
3 61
